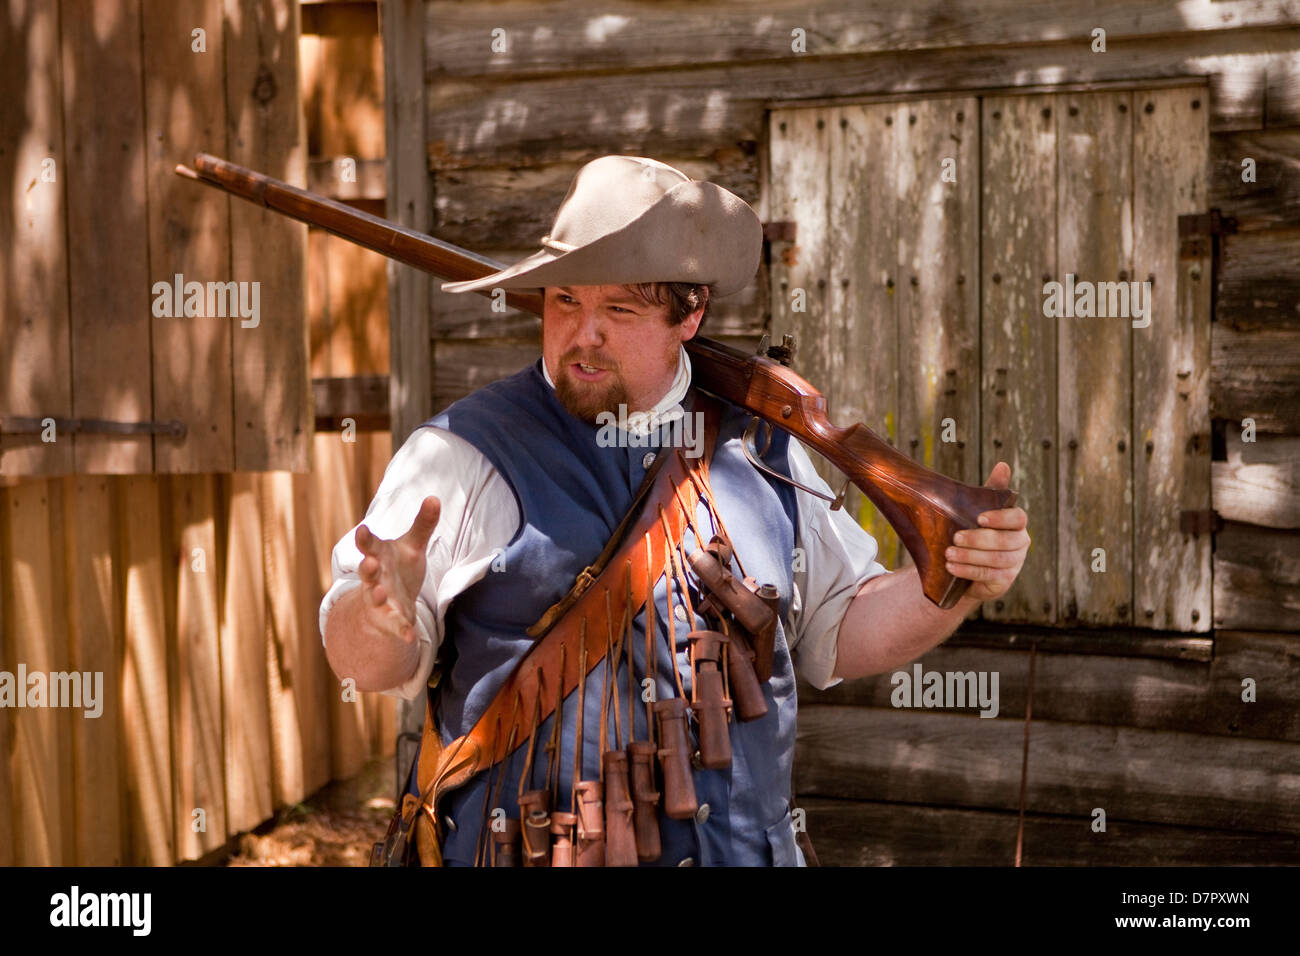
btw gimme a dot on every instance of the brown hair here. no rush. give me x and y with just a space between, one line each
682 298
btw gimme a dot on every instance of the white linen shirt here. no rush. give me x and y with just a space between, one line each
480 517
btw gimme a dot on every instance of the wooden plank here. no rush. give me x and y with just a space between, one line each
1272 199
43 769
1104 641
799 190
1260 481
859 833
1094 242
1254 80
938 313
408 203
463 367
145 694
909 756
312 670
1162 777
964 761
35 371
334 489
1171 365
1256 375
351 89
104 128
1063 841
1018 345
244 703
1256 578
1201 697
863 289
460 315
1258 283
318 301
189 232
635 36
198 778
339 17
355 395
96 646
357 284
272 424
275 492
863 833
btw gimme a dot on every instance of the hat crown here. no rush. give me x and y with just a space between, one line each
606 195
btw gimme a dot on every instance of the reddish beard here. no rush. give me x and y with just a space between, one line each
586 400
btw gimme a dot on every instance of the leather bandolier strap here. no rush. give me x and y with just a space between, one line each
601 601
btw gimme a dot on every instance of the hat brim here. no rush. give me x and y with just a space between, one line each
696 232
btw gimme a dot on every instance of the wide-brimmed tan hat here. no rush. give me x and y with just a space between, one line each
629 219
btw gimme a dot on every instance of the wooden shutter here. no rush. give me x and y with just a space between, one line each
926 232
95 217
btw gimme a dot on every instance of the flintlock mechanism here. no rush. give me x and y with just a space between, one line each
923 506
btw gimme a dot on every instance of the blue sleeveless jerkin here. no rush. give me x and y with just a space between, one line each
571 494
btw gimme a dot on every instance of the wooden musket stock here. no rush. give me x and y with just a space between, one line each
923 506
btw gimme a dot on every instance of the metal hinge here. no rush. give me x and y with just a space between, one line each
23 425
1197 232
782 231
1199 522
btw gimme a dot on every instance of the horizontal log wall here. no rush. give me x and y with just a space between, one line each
1186 771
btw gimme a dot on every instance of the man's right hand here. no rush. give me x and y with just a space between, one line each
393 571
370 631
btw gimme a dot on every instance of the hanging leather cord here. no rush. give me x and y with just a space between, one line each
651 632
483 816
604 693
556 745
631 677
705 492
526 778
686 597
582 708
672 624
612 648
501 768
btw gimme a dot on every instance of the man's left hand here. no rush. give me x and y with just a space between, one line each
992 555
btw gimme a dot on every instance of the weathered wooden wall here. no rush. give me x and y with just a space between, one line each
108 98
195 595
1151 729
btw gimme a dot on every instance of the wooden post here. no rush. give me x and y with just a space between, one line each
411 364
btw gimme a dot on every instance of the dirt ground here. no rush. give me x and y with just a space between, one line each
335 826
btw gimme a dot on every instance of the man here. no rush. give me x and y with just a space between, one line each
486 515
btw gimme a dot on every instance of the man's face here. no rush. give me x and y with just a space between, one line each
604 346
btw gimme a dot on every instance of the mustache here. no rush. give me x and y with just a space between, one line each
598 359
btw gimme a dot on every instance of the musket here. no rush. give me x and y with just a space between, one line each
923 506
